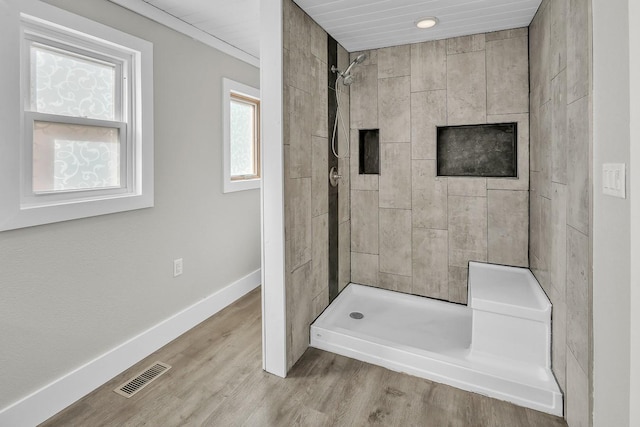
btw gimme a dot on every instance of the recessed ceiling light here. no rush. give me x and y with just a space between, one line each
427 22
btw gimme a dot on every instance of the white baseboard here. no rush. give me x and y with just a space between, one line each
52 398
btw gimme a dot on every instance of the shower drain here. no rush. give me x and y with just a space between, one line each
356 315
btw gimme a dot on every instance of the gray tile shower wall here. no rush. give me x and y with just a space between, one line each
560 234
306 159
411 230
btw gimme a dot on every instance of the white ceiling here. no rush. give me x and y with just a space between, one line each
234 25
236 22
369 24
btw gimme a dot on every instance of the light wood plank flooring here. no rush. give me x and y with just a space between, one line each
216 380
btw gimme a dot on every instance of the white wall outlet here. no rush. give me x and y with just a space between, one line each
614 179
177 267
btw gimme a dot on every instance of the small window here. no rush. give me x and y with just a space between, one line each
241 106
86 142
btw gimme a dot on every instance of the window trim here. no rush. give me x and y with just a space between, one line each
232 89
30 22
255 103
31 198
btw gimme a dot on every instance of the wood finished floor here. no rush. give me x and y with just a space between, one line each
216 380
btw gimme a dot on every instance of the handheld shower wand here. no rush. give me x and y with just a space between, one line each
347 78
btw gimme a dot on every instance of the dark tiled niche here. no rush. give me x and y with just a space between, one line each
488 150
369 162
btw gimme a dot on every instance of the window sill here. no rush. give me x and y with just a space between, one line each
241 185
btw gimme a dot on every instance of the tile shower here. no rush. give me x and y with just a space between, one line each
411 230
407 229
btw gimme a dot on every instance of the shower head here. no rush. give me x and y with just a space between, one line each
359 60
347 78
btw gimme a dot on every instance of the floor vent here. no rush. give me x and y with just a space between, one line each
143 379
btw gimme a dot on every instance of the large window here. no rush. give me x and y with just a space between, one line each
85 146
241 106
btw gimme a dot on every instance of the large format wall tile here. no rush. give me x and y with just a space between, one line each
559 128
395 175
539 35
300 128
458 280
476 187
394 282
465 44
559 338
364 97
429 66
319 95
394 61
522 180
286 105
578 50
429 196
428 111
578 411
508 227
466 88
578 175
300 56
508 76
364 269
299 311
506 34
430 263
364 222
544 257
299 192
558 10
578 295
467 230
395 241
394 109
558 267
544 141
318 40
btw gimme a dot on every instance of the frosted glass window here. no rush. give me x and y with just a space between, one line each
72 85
85 96
244 141
71 157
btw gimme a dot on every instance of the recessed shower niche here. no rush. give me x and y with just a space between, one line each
486 150
369 161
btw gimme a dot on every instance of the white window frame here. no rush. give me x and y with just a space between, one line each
34 22
228 87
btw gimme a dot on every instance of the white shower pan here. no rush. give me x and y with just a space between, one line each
498 345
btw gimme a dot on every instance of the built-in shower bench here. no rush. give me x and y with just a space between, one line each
497 345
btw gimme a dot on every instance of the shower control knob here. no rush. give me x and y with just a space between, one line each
334 176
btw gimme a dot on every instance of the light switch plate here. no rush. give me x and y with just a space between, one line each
614 179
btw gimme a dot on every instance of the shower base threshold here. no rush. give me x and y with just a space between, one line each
430 339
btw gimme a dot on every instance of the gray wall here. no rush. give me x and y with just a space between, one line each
615 321
74 290
412 231
306 151
561 174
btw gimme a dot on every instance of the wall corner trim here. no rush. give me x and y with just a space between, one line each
52 398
